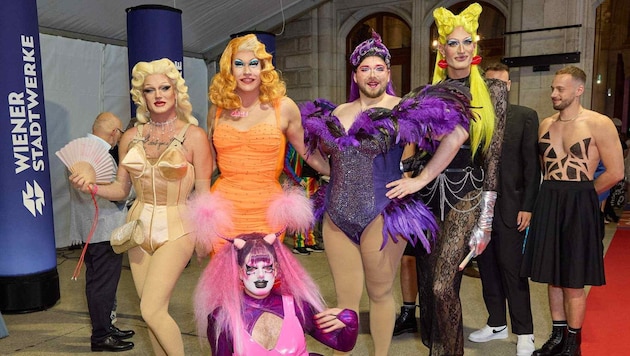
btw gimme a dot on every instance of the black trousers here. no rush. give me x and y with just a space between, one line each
103 268
499 267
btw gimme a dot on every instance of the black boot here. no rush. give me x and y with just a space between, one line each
406 321
572 345
555 344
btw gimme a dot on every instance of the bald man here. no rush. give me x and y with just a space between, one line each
103 266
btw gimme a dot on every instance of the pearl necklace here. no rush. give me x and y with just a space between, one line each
168 124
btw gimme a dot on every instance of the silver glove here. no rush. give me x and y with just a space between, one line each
481 233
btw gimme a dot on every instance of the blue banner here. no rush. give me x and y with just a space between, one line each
143 45
28 274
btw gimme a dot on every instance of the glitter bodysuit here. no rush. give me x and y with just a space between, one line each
367 157
357 195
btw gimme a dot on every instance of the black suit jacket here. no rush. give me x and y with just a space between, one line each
520 165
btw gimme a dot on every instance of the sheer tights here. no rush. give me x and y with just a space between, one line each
155 278
351 264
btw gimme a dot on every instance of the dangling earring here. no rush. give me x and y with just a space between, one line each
476 60
442 63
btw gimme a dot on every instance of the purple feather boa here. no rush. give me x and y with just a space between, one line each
412 220
424 114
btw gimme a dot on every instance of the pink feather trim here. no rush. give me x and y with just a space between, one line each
210 214
291 210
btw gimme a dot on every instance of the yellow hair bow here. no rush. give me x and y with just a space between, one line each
446 21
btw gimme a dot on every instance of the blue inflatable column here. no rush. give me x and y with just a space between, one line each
28 264
143 45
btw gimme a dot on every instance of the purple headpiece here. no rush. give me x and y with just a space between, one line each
371 47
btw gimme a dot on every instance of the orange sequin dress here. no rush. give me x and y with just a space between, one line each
250 163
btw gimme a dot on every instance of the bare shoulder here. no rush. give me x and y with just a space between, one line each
546 122
601 126
285 100
195 132
595 118
289 109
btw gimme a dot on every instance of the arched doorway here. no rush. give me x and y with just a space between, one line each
611 65
396 35
491 29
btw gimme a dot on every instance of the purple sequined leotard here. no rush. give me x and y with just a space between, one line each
367 157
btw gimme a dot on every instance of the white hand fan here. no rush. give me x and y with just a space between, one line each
89 157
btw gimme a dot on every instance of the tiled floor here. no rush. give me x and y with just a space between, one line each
65 328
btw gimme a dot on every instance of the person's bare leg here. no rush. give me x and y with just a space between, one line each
155 276
556 303
380 268
346 268
574 306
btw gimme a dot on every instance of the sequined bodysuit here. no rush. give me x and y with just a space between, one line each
367 157
162 188
356 193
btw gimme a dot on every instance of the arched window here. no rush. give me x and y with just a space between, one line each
396 35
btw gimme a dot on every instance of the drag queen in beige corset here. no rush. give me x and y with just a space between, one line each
164 157
162 187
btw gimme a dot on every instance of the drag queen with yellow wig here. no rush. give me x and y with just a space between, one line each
463 195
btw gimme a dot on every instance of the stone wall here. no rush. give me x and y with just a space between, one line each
311 49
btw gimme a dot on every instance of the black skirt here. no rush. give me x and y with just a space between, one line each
564 247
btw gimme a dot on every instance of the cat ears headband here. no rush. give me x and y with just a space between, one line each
446 21
239 243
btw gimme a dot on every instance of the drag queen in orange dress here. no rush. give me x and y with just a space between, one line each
249 125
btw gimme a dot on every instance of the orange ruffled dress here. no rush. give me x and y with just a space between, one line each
162 188
250 163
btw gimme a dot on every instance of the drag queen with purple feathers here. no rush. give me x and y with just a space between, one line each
370 213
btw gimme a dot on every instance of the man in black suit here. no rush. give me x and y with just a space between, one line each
499 266
103 265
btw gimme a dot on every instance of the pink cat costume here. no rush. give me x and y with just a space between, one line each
228 314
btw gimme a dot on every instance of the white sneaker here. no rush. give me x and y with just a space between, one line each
488 333
525 345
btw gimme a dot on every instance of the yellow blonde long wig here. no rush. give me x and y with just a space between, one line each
482 128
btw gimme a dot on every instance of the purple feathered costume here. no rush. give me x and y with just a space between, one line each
367 157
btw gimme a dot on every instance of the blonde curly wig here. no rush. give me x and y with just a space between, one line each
165 66
222 90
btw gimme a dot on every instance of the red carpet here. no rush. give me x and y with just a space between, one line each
606 328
